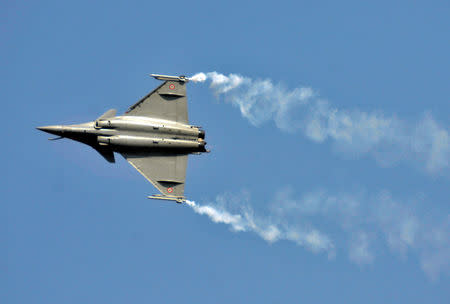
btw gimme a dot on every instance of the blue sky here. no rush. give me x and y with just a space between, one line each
328 178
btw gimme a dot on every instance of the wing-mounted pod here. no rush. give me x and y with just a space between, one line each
181 78
172 89
177 199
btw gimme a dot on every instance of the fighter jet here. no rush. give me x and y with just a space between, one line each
154 136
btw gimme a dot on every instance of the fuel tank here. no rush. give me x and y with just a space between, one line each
149 142
145 126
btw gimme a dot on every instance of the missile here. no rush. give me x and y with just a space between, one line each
177 199
167 77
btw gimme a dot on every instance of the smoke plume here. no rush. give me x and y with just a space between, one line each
388 139
268 229
359 224
354 223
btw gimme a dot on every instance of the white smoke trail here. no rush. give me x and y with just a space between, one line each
388 139
266 228
366 222
363 221
359 249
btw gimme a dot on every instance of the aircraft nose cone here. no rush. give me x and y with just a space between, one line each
56 130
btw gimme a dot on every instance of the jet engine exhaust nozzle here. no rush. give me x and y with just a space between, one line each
201 134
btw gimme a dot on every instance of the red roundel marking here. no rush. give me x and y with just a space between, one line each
172 86
170 190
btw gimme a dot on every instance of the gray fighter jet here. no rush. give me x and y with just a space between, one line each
154 136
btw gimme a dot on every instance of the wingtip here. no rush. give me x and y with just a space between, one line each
182 78
178 200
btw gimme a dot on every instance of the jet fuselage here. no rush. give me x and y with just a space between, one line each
154 135
124 133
